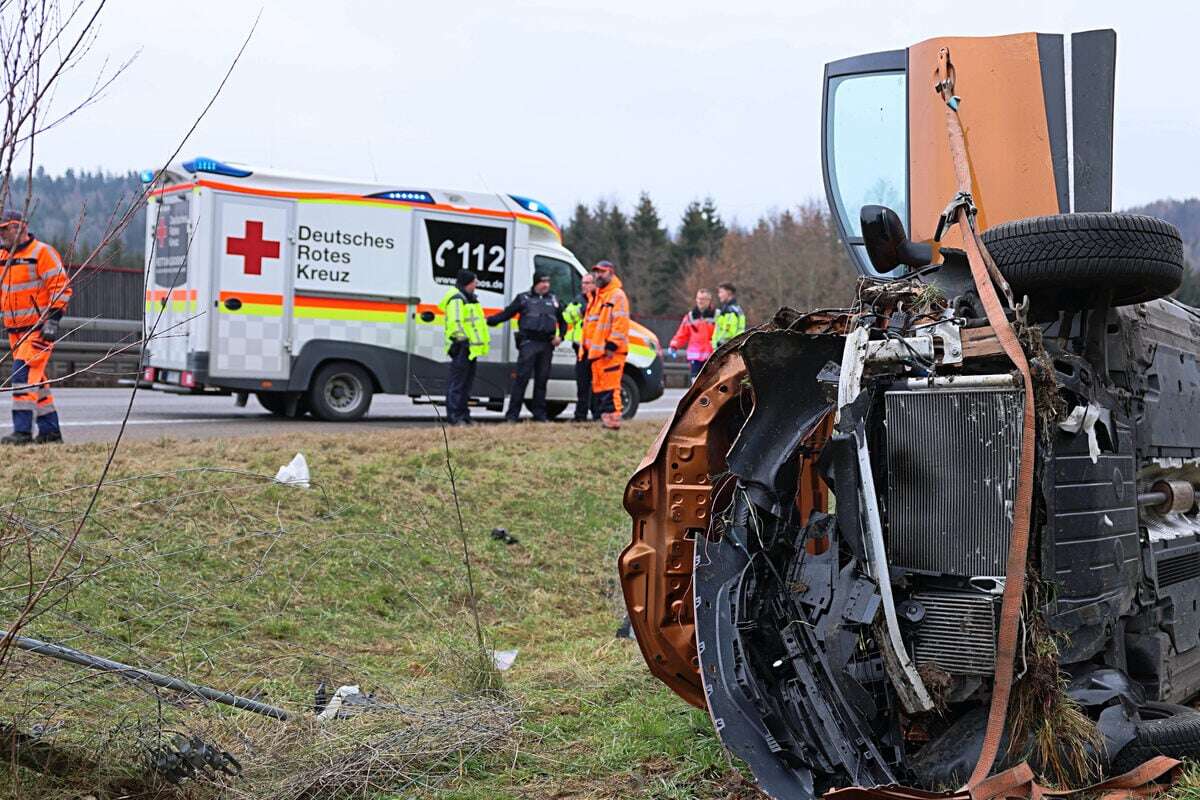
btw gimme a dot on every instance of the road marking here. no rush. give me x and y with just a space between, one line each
92 423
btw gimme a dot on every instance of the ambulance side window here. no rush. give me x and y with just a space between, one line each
171 239
564 281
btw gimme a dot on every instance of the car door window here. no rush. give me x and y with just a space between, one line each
868 144
564 280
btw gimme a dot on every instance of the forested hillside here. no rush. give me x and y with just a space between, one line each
791 257
1185 215
77 211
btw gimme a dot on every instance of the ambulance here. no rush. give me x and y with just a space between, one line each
315 294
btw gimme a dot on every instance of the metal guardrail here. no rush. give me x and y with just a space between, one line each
86 341
101 324
73 325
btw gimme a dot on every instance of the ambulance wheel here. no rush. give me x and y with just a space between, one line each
554 408
631 397
340 392
277 404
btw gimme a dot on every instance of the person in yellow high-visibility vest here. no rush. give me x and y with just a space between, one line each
730 321
467 340
573 315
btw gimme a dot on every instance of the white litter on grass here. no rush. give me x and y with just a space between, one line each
503 659
294 473
335 703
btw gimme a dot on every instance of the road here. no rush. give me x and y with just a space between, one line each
94 415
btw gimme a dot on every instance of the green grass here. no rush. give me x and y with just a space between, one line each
230 580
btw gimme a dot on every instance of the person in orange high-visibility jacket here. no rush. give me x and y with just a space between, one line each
606 342
34 290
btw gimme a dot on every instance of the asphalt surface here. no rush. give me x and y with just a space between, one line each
95 415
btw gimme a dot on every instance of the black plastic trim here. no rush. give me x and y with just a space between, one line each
197 364
650 384
1093 77
1054 94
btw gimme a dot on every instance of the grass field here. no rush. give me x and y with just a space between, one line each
225 578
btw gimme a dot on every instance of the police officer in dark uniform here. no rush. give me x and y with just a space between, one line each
539 330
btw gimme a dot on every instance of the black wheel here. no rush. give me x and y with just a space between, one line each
554 408
1065 258
340 392
631 397
277 404
1165 730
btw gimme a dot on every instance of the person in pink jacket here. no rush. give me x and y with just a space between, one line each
695 333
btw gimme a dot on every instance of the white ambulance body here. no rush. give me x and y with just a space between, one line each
315 294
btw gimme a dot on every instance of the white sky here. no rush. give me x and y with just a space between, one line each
575 99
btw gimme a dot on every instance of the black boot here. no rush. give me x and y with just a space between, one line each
17 437
48 438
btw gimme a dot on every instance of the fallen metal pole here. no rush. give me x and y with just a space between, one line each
83 659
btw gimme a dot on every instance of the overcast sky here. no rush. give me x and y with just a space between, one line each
576 99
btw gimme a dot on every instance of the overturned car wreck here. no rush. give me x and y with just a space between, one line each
951 527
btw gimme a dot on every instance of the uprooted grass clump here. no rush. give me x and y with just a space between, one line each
1049 729
1048 403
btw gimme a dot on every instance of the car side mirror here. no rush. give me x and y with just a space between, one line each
887 243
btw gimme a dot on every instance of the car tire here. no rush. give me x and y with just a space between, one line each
554 408
1165 730
277 404
631 397
1064 258
340 392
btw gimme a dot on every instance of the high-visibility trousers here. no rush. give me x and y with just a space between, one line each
606 383
31 395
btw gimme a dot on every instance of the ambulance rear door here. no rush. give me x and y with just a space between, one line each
251 300
171 307
443 244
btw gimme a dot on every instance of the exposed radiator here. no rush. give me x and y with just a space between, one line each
952 458
958 633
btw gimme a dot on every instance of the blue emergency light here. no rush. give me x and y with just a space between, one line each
536 207
211 165
406 196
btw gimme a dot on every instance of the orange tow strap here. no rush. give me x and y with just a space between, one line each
1018 784
986 281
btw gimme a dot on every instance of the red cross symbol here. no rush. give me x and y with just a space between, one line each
160 232
253 248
